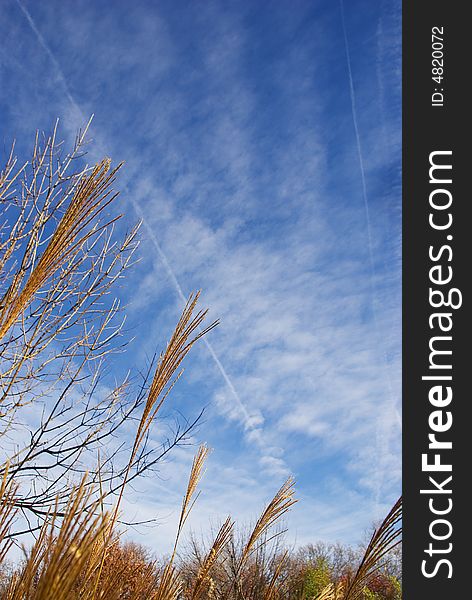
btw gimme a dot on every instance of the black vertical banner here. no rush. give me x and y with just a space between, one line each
437 242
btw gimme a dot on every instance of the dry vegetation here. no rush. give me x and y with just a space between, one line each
64 466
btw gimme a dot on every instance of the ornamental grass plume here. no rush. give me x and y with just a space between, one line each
91 195
332 592
203 582
7 513
59 556
383 540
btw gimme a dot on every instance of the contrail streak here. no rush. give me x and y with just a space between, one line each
180 293
382 444
244 412
358 139
137 208
248 426
52 58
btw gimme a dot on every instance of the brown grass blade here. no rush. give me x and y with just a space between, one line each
7 513
183 338
91 196
331 592
186 333
276 508
189 499
56 562
202 580
274 584
384 539
169 585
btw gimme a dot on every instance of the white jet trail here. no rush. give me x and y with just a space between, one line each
45 47
137 208
244 412
180 293
382 444
358 139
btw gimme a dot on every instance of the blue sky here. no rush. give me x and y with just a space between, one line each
263 151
